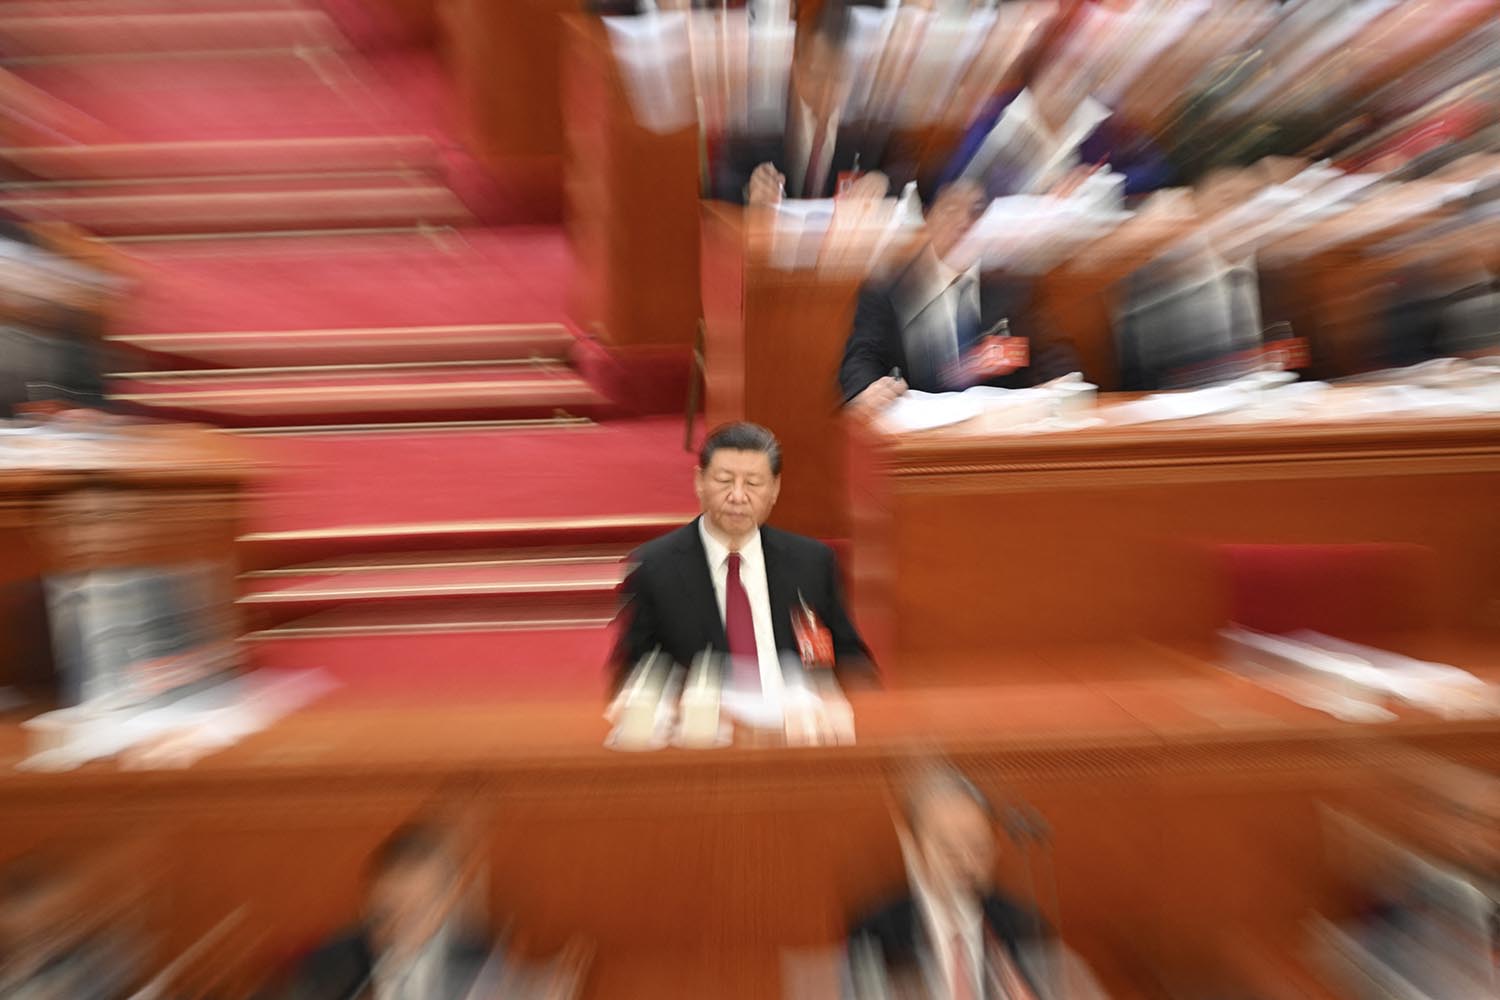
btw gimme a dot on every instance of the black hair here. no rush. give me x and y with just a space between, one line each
409 844
939 781
741 436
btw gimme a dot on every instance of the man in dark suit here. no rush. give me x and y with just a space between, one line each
951 934
925 324
730 583
412 943
805 158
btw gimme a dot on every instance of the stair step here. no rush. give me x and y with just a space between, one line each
361 395
368 345
132 8
434 617
75 34
204 186
274 550
334 374
144 160
536 580
224 96
157 214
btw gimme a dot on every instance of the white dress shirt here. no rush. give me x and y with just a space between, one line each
753 579
945 921
419 979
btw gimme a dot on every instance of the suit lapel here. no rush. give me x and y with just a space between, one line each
698 587
781 586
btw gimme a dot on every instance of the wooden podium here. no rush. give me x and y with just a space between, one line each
164 494
632 208
774 340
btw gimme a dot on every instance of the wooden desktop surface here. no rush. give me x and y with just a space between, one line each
1183 802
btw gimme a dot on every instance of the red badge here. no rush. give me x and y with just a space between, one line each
814 641
994 356
1290 354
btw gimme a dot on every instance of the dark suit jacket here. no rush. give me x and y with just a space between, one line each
870 144
668 601
899 932
1126 151
340 968
877 340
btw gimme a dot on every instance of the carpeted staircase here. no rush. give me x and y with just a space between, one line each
321 267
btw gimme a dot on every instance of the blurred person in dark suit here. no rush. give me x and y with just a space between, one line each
58 939
922 325
1047 136
49 338
730 582
413 942
805 158
951 934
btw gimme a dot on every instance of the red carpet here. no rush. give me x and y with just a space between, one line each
512 275
618 468
444 666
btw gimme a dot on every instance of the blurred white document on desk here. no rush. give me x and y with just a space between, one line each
922 411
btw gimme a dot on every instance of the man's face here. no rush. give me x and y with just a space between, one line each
951 217
406 905
736 491
956 841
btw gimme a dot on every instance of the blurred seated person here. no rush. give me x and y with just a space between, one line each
414 941
1047 137
950 933
420 938
58 941
923 325
51 314
730 582
1188 318
805 158
1197 313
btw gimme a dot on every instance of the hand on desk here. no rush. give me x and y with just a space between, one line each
766 186
569 971
878 395
1073 180
872 186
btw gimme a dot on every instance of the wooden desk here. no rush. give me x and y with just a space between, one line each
1183 804
968 539
160 494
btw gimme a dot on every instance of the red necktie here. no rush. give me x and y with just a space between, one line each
812 183
739 628
1012 984
963 971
